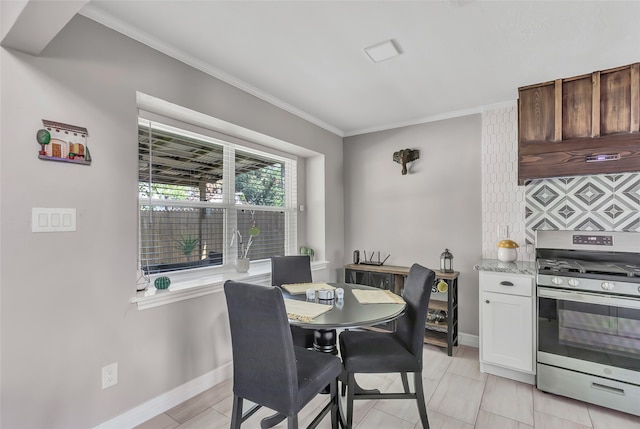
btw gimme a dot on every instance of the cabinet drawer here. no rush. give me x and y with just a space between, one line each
506 283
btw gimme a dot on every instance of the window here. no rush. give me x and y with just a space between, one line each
188 218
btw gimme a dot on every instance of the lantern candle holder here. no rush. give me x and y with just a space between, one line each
446 261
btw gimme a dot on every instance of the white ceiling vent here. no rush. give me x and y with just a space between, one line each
383 51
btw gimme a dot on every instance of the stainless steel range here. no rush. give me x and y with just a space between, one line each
589 317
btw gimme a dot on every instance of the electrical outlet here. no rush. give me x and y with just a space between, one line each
109 375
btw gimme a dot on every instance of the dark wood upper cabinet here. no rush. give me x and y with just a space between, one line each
587 124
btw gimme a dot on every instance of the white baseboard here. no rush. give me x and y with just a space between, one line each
468 340
168 400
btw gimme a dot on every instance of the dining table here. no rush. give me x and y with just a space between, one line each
360 306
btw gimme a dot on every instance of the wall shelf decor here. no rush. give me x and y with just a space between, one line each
63 142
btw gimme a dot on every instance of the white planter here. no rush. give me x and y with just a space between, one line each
242 265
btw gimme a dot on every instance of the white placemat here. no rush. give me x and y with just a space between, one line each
376 297
300 288
303 310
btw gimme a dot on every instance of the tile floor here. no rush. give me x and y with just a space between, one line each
458 396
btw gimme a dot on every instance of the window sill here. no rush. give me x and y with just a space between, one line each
198 283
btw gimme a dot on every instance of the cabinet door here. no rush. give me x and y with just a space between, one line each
570 126
506 336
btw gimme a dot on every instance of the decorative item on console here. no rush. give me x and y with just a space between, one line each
446 261
369 261
436 316
440 286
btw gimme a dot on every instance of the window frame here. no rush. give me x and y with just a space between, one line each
229 205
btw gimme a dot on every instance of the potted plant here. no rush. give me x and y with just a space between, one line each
187 245
242 264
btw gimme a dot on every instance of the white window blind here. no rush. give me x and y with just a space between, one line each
188 218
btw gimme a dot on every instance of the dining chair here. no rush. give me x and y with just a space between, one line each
293 269
387 352
268 369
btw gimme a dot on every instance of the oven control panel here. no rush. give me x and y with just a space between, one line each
588 285
595 240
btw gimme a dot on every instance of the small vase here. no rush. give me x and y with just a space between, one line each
242 265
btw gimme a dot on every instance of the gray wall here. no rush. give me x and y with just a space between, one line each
415 217
65 310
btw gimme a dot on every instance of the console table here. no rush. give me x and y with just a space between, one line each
441 334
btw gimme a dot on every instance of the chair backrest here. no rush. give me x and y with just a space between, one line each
417 291
290 269
264 362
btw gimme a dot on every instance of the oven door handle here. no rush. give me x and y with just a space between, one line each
588 297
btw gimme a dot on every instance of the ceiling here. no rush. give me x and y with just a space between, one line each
308 57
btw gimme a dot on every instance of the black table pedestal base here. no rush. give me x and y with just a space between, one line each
324 340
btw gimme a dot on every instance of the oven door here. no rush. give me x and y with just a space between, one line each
589 332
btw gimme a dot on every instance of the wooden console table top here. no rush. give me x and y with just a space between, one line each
392 269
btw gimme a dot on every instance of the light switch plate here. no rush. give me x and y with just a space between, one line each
53 220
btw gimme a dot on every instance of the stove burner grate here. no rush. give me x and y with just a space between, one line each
588 267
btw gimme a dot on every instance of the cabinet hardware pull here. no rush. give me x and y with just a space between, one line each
603 157
609 389
506 283
487 301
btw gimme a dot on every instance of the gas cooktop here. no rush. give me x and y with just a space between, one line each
603 261
587 267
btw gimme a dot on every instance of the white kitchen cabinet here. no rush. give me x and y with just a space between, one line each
507 328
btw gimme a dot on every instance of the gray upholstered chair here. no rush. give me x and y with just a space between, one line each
386 352
293 269
268 369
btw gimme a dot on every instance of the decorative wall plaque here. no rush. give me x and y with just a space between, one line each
63 142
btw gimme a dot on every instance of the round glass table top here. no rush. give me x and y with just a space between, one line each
348 312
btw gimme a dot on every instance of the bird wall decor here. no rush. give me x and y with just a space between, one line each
405 156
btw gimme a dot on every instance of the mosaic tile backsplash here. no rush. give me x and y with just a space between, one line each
609 202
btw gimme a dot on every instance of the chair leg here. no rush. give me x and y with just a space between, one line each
236 412
292 422
334 404
343 382
422 407
405 382
351 383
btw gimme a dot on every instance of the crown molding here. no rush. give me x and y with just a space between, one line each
434 118
96 14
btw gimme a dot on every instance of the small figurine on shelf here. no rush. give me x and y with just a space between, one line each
436 316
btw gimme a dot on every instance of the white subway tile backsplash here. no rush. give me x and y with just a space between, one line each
503 202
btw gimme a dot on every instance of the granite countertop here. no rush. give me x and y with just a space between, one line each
517 267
